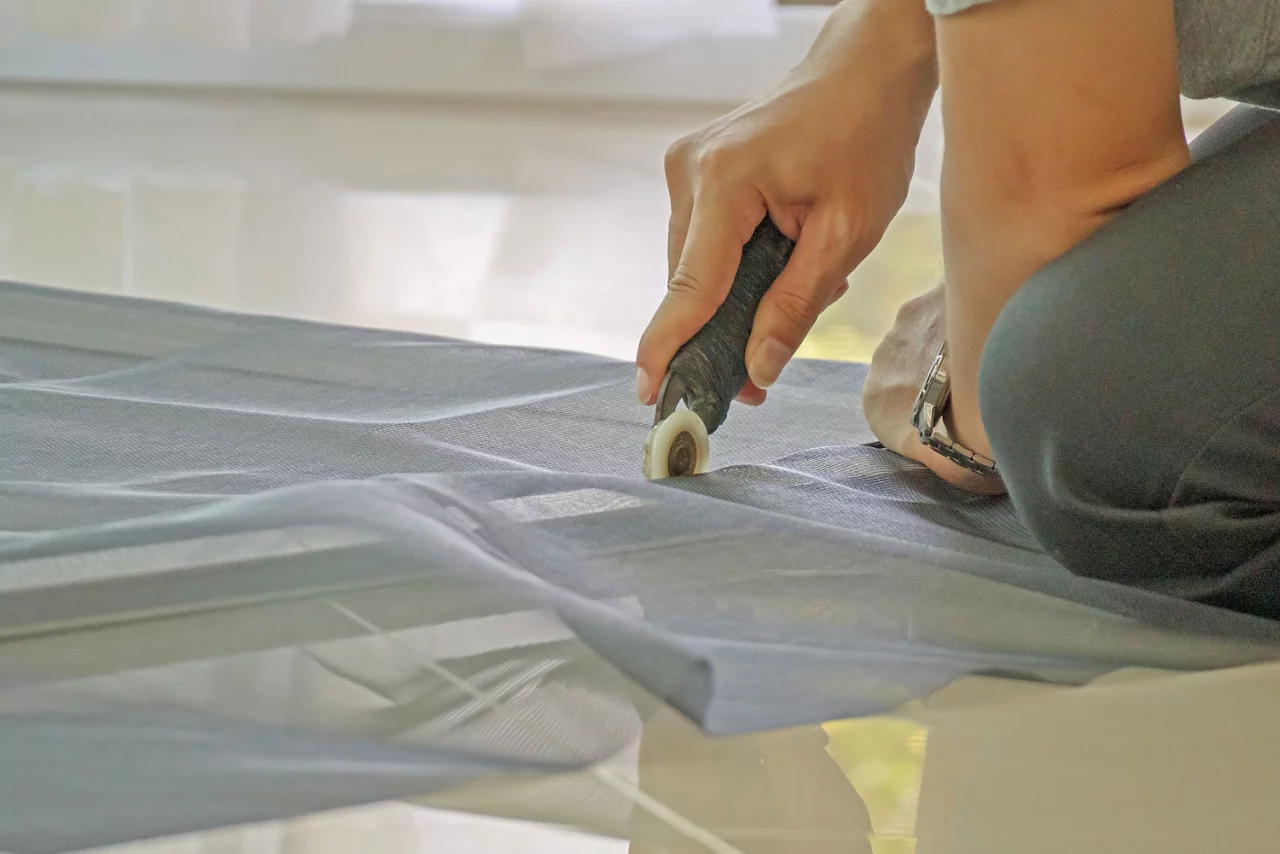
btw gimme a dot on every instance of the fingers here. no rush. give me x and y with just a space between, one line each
814 278
841 290
718 228
677 231
680 190
751 394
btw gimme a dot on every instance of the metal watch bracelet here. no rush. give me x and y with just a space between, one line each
927 417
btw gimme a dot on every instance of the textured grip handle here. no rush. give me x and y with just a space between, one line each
712 364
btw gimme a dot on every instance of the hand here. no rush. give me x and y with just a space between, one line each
828 155
898 369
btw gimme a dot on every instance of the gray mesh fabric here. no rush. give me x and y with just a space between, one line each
252 568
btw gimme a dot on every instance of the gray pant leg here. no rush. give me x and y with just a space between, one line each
1131 388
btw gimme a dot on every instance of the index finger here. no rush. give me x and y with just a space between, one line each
708 262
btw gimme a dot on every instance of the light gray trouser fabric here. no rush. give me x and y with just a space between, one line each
1131 388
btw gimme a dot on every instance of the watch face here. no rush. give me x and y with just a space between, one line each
916 409
924 413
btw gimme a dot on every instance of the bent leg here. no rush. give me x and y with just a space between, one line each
1131 388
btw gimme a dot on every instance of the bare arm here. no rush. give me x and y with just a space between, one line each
1056 114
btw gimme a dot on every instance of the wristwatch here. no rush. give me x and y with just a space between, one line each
926 416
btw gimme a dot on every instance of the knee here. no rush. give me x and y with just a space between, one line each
1030 386
1044 396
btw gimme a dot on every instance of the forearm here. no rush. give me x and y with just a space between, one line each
889 41
1057 116
856 28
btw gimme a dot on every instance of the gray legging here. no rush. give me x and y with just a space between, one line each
1131 388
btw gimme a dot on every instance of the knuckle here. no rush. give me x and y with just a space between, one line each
798 310
677 156
648 350
685 286
844 230
907 312
715 161
839 222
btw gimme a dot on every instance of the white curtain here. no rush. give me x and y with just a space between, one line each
559 33
222 24
555 33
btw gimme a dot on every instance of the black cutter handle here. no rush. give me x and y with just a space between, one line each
712 364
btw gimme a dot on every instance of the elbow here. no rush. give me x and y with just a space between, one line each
1125 183
1039 214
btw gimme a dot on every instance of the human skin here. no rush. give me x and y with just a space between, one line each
1056 116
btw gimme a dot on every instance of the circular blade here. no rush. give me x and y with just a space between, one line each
677 446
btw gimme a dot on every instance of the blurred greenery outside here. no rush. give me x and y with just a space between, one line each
883 758
907 262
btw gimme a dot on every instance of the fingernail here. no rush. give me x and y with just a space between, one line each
770 358
644 388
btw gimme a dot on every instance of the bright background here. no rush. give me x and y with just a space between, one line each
489 169
486 169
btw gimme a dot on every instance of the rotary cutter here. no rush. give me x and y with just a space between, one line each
707 373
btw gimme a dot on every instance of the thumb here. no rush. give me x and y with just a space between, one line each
708 262
814 277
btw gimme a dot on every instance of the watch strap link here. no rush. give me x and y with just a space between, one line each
940 440
927 417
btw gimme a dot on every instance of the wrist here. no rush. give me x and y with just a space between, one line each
863 37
